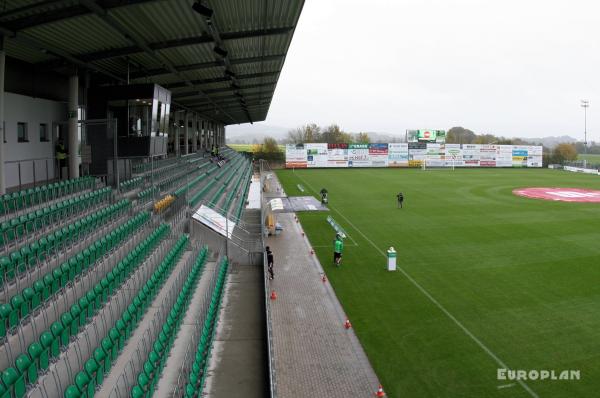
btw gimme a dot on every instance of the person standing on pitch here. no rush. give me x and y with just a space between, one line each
270 262
338 246
400 200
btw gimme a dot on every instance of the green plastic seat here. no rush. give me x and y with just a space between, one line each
20 310
110 348
14 382
121 328
60 333
84 304
70 325
27 367
28 257
77 315
5 313
137 392
39 289
190 391
85 384
60 278
94 371
98 292
50 286
66 270
18 262
72 392
102 359
31 299
39 356
79 263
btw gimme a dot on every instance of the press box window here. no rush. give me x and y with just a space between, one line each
44 133
22 132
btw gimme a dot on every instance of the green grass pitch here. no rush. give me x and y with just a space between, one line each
515 280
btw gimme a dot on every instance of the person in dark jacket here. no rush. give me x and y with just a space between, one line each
270 262
400 200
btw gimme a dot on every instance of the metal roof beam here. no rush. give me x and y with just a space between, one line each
53 15
218 80
139 42
31 42
220 100
188 41
206 65
225 90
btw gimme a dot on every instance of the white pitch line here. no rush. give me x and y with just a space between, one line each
506 386
436 303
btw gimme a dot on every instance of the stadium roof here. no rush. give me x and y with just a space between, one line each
222 59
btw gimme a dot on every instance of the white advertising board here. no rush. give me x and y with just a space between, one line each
214 221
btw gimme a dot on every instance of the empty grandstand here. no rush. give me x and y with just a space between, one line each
129 253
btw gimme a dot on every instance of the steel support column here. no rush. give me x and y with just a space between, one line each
2 132
186 133
73 135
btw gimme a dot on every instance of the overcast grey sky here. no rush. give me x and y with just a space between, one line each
511 67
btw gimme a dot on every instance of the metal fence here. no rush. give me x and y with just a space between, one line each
264 168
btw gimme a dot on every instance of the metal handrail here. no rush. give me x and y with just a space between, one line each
269 323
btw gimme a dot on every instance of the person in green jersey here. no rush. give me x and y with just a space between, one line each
338 247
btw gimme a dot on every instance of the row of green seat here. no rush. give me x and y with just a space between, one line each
239 184
197 375
21 260
22 304
199 195
39 353
92 374
131 184
155 360
173 180
23 199
190 185
217 195
26 224
142 167
242 203
147 193
157 174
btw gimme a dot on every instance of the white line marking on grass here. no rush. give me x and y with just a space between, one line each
435 302
506 386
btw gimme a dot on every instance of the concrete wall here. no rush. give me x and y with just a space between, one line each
33 111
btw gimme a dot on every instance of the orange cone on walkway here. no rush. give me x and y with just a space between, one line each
347 324
273 295
380 392
324 278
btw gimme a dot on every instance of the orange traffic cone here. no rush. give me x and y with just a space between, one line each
380 392
324 278
347 324
273 295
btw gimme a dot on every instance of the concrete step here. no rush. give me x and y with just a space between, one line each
237 367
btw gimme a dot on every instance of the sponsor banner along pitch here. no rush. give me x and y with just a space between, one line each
412 154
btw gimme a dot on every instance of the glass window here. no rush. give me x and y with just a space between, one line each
44 133
22 132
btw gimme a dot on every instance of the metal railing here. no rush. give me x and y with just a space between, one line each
264 168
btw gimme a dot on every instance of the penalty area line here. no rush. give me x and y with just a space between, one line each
435 302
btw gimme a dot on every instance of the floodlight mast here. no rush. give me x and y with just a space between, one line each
585 104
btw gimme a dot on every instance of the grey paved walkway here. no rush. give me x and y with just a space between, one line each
315 356
238 360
